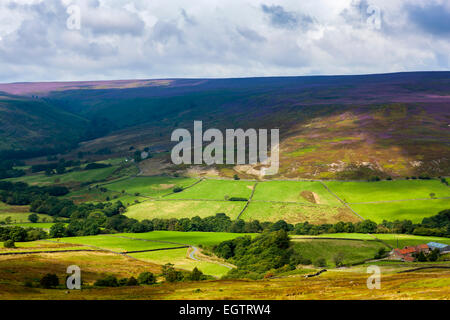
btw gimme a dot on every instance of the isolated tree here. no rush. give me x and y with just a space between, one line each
147 278
132 282
50 280
33 218
9 244
196 275
236 177
321 262
338 259
434 255
57 230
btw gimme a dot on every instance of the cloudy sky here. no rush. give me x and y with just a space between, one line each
44 40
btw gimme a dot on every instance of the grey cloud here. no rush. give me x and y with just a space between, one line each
250 34
188 18
433 18
163 31
281 18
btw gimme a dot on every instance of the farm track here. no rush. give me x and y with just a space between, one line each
191 254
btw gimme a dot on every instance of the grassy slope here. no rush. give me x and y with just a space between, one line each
352 192
353 251
411 210
404 239
116 243
216 190
191 238
18 214
291 191
295 213
76 176
183 209
149 186
179 257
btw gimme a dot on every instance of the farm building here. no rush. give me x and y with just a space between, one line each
407 253
442 247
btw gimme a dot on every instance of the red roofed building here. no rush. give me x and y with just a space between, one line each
408 252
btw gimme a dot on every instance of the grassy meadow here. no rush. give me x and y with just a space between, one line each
183 209
216 190
206 239
149 186
296 213
355 192
67 178
411 210
295 191
352 251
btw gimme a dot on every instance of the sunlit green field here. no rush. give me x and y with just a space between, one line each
179 257
115 243
411 210
216 190
96 195
292 191
191 238
352 251
149 186
183 209
391 239
353 192
18 214
296 213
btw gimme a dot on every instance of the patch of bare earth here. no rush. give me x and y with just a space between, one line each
310 196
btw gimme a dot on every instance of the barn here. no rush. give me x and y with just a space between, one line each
441 246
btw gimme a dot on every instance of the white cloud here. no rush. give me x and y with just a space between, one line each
210 38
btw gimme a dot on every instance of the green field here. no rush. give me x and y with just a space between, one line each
409 240
148 241
353 251
39 225
391 239
179 257
70 177
18 214
216 190
412 210
115 243
183 209
292 191
149 186
206 239
295 213
95 195
354 192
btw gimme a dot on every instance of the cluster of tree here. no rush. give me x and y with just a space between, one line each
59 167
7 169
95 165
20 193
269 252
20 234
437 225
431 256
34 153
